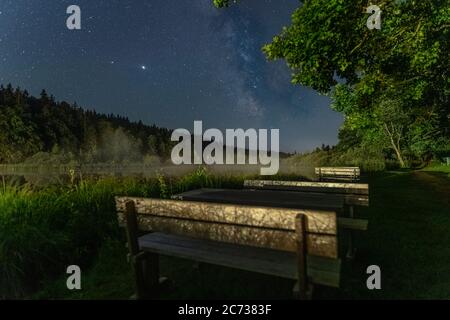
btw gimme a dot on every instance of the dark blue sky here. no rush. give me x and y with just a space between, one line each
167 62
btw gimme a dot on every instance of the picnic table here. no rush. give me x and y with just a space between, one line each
268 198
266 229
284 199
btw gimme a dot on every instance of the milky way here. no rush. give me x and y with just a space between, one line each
167 62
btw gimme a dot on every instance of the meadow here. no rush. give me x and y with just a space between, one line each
45 229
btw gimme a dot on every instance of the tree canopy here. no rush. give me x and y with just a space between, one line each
43 129
391 84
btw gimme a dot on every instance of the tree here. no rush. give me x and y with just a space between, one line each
392 121
17 135
223 3
46 128
328 43
152 145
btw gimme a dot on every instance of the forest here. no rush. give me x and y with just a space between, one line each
42 130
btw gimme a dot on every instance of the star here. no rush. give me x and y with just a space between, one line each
143 67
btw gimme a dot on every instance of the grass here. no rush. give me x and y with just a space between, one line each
408 238
108 278
43 230
438 167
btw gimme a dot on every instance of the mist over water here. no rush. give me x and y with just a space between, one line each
63 174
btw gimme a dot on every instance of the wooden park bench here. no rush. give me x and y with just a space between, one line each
289 243
338 173
354 194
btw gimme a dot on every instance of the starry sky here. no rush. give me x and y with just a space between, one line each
165 62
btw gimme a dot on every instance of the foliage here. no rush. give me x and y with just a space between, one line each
109 278
223 3
410 47
41 232
42 129
367 159
392 84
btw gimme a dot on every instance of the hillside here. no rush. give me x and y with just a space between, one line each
42 129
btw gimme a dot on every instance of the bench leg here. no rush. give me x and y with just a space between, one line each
145 268
307 295
200 269
350 248
301 288
137 263
151 277
145 265
351 251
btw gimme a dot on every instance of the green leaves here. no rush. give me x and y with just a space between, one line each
388 77
391 76
223 3
317 44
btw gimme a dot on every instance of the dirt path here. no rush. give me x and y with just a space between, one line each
438 182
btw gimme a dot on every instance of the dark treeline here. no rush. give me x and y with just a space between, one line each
44 130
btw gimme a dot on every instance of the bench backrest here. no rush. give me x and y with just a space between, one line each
353 193
338 173
239 224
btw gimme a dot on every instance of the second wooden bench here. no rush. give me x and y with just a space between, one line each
354 194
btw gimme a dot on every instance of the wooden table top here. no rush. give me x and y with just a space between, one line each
269 198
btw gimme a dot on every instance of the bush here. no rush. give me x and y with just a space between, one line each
367 160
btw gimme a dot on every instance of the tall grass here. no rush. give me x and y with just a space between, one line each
44 230
438 167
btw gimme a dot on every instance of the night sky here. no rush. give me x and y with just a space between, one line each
167 62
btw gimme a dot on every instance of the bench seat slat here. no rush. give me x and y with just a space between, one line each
238 224
352 193
318 244
338 173
310 186
338 169
319 221
324 271
331 171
